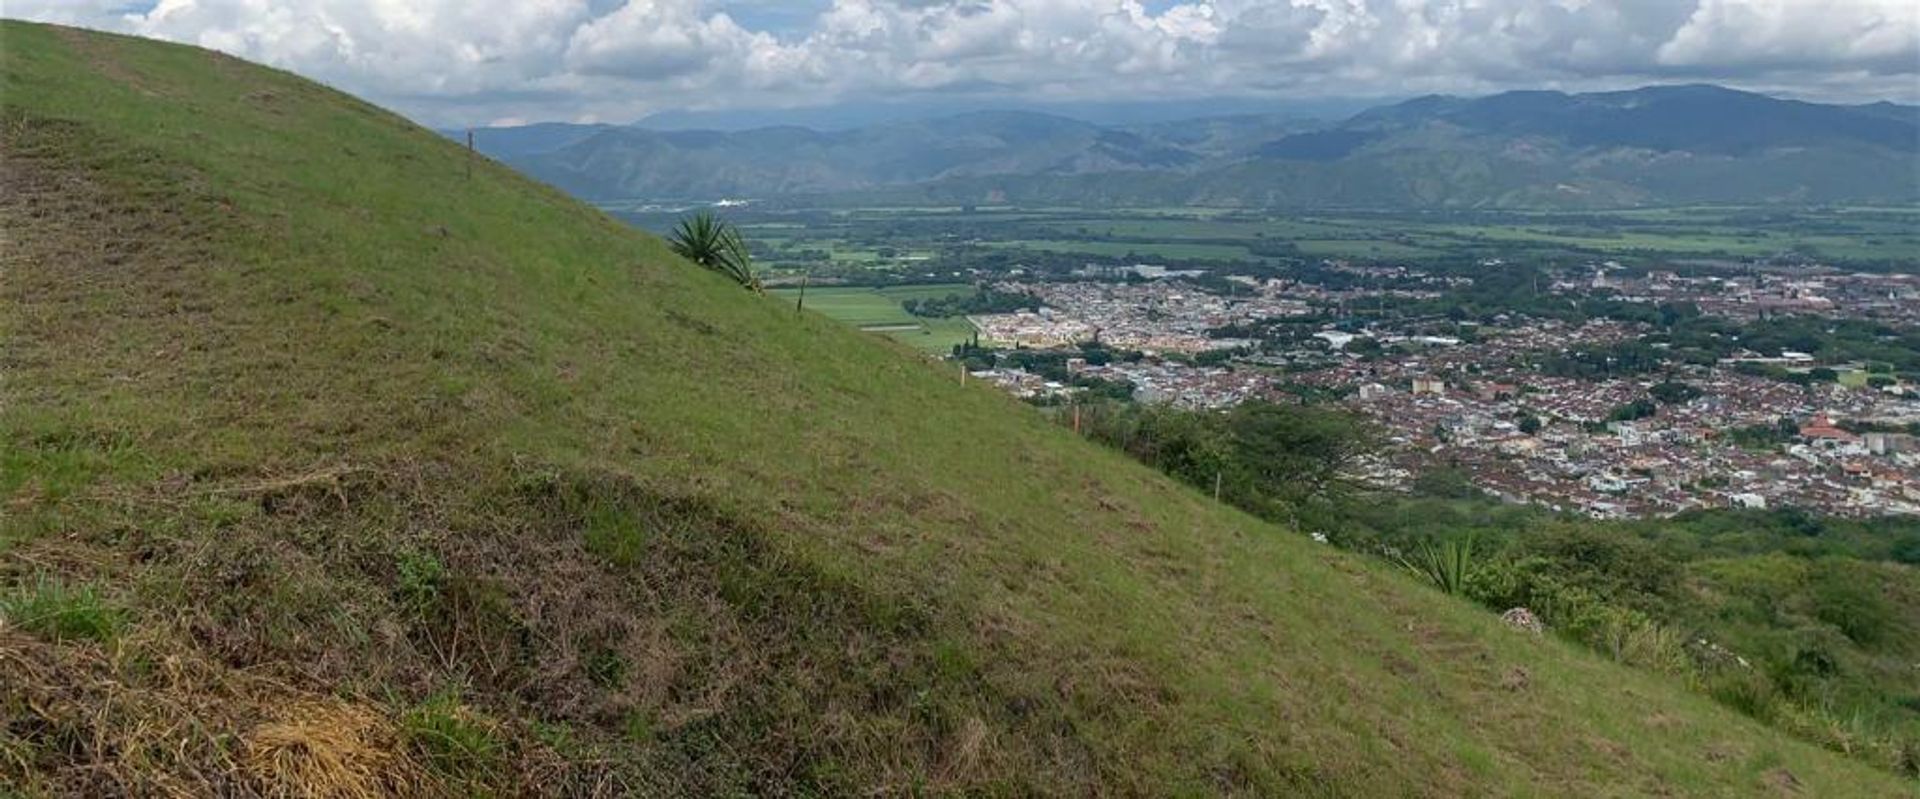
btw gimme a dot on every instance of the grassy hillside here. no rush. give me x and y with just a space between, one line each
325 464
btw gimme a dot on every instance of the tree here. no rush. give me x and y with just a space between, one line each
1446 482
707 240
1638 409
1530 424
1294 452
1673 392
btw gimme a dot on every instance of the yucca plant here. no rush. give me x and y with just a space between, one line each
1448 564
707 240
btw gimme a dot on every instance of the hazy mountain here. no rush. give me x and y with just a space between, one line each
635 162
1695 118
527 140
848 116
1662 144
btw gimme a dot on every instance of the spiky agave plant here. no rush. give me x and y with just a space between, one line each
707 240
1447 565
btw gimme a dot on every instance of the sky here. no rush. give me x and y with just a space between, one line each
469 62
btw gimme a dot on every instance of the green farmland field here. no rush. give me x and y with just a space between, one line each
1114 249
869 308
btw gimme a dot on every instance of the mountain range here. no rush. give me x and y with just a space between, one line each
1648 146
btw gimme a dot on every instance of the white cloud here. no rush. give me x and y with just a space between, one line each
1875 34
416 47
650 40
457 61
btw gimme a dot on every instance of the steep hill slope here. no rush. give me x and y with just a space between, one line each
335 458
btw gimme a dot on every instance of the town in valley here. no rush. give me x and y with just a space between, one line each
1607 386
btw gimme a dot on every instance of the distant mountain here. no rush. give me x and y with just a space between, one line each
529 140
627 162
1655 145
1696 118
848 116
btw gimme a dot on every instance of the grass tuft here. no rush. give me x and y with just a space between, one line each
454 741
50 607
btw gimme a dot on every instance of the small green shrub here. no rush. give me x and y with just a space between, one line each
1749 693
1632 638
422 577
56 610
453 740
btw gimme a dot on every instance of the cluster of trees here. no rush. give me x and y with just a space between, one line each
1600 362
982 301
1765 436
1887 349
1265 457
1673 392
1857 426
1642 408
1667 392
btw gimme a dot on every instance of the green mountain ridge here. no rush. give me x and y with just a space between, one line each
1657 145
339 459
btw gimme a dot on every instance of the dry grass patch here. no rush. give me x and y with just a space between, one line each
330 748
146 719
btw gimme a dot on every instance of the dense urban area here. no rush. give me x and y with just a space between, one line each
1604 416
1574 365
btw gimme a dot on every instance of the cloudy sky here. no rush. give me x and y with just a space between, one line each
459 62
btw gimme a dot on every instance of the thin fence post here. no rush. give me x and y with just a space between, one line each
1216 485
469 153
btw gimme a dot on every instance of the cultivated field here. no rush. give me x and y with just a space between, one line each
878 310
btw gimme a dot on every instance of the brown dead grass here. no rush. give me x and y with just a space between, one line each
330 748
130 721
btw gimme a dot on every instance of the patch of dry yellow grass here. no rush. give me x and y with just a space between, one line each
330 748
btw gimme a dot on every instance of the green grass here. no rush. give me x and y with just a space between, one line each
939 335
267 341
454 741
1110 249
52 608
924 292
858 306
879 307
1361 248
